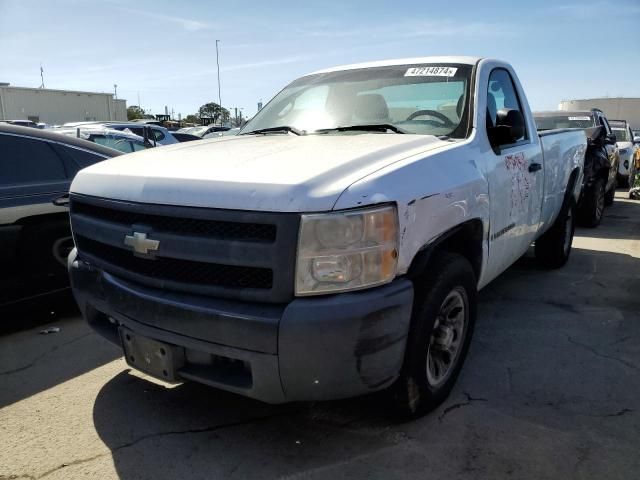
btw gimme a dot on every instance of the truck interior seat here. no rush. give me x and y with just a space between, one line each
370 108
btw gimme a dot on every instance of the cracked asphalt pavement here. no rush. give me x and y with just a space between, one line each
551 389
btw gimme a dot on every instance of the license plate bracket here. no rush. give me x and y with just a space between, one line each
158 359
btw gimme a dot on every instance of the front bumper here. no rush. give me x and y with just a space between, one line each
316 348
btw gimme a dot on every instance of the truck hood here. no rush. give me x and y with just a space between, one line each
278 173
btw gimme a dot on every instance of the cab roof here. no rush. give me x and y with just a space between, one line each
402 61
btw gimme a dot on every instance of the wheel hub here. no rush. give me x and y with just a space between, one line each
443 337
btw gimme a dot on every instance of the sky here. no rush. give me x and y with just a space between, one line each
164 52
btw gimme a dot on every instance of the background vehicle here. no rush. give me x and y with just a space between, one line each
185 137
601 162
203 130
36 168
21 123
227 133
161 134
326 253
119 140
626 149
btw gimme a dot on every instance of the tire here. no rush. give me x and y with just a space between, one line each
43 248
610 195
622 181
592 207
449 288
554 246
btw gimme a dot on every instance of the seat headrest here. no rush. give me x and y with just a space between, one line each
492 106
370 108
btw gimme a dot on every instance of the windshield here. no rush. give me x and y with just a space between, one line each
622 134
420 99
565 121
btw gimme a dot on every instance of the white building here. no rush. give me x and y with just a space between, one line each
614 108
58 106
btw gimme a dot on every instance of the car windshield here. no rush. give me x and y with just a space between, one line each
565 121
425 99
622 134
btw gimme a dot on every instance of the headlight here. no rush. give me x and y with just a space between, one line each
348 250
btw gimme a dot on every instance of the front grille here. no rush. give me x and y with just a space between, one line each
190 226
220 253
174 270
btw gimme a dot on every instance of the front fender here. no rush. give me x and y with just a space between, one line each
433 193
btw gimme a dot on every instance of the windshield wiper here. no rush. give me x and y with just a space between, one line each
283 128
373 127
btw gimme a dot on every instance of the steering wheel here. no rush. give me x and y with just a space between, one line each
443 118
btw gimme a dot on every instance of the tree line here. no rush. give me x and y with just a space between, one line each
208 110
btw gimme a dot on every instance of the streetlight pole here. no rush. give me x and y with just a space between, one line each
115 89
219 95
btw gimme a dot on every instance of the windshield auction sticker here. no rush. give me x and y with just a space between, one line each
571 119
431 72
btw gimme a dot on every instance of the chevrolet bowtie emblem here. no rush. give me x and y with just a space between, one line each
141 244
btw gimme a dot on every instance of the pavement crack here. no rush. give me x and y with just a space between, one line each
456 406
602 355
211 428
44 354
620 413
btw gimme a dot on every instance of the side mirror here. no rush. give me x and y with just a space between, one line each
612 139
509 127
636 140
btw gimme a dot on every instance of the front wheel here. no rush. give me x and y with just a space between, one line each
554 246
441 328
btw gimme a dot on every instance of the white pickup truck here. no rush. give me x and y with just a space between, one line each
334 247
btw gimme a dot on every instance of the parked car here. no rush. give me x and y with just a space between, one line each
601 162
626 149
21 123
161 135
203 130
119 140
336 245
226 133
36 169
185 137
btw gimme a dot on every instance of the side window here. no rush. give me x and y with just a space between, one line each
78 159
502 94
27 161
158 134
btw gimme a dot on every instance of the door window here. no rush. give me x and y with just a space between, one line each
502 94
28 161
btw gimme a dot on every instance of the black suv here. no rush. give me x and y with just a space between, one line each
36 169
600 163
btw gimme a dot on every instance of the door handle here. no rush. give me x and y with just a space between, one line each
534 167
61 201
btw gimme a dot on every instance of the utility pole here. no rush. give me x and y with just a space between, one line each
219 94
115 90
41 76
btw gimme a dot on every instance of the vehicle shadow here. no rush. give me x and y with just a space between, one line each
193 431
31 362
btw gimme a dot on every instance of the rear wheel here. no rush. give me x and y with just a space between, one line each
610 195
554 246
592 207
441 328
45 248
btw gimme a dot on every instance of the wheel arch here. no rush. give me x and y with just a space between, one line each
464 239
